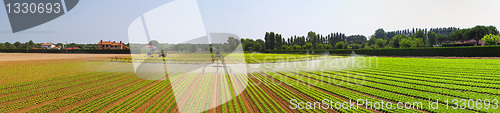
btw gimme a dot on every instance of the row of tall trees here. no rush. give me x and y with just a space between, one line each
400 38
252 45
435 36
274 41
381 34
414 37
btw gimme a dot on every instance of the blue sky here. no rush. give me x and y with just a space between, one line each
93 20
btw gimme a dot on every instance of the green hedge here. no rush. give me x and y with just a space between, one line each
81 51
475 51
458 45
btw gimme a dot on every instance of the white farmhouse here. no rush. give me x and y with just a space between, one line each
149 47
48 45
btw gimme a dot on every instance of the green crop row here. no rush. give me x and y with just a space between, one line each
382 77
99 103
60 93
328 86
46 82
457 81
181 86
82 96
262 93
56 87
449 78
137 100
388 92
308 89
40 83
158 103
461 73
450 67
199 84
34 86
262 103
282 92
241 78
459 94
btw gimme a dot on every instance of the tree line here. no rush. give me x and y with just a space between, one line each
415 37
30 45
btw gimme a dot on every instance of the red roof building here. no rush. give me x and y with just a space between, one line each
71 48
48 45
481 43
149 47
471 41
111 45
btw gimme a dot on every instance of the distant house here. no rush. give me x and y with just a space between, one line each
149 47
48 45
57 47
498 43
481 43
472 41
111 45
71 48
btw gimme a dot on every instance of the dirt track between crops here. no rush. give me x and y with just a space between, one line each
9 58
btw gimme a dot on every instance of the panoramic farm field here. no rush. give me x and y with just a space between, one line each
108 85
